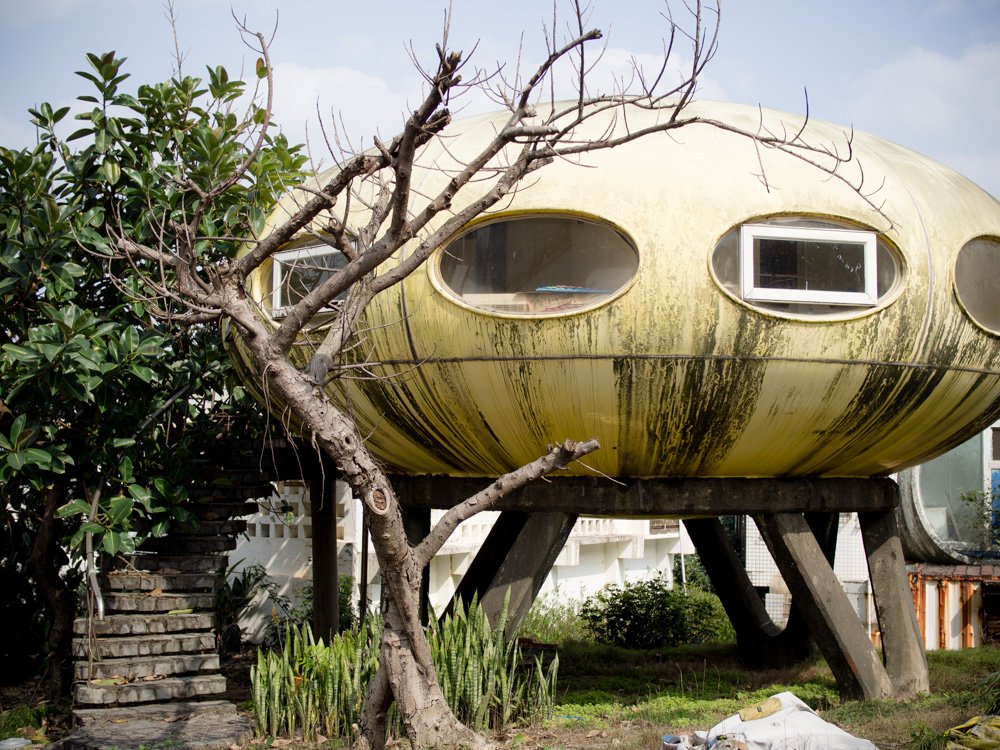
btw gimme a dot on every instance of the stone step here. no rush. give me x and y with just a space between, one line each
148 691
148 624
207 563
195 545
149 666
154 601
169 712
149 645
146 581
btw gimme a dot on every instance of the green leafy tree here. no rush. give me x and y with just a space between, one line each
101 400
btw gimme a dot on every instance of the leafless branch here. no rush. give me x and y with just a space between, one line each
557 457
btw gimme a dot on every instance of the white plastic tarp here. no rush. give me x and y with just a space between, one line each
783 722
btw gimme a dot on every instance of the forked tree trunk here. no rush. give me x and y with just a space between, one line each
405 676
406 671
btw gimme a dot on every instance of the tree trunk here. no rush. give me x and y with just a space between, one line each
406 671
44 565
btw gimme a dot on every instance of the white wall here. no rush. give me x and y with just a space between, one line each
599 551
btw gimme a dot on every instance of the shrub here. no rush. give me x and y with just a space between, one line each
651 614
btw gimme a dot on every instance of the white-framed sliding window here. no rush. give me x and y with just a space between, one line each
295 273
810 265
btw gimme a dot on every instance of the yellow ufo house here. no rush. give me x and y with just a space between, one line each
704 306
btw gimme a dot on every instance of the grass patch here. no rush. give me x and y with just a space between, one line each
603 688
19 718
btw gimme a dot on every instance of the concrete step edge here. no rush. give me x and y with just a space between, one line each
133 668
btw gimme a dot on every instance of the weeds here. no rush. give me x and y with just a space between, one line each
554 619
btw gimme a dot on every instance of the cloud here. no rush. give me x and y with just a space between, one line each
28 14
940 104
365 103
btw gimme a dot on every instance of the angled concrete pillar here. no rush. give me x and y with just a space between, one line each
326 580
517 556
761 643
489 557
833 622
902 648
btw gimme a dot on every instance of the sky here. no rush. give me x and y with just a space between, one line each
922 73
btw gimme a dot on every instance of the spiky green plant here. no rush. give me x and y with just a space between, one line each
308 688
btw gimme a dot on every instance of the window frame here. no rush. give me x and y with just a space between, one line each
750 292
288 257
515 304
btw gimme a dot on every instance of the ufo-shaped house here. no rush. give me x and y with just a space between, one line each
705 307
728 319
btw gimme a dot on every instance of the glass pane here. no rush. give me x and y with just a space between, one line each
303 272
809 265
538 265
949 485
726 265
977 281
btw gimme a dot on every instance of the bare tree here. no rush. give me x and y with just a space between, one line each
368 210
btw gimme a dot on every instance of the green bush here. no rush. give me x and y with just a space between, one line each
652 614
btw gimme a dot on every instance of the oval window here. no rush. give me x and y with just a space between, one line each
538 265
805 266
977 282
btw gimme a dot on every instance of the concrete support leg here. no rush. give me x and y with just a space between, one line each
488 559
417 522
833 622
518 556
326 579
761 643
905 660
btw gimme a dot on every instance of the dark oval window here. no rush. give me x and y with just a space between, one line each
538 265
977 282
806 266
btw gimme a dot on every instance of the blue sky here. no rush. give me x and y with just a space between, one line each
923 73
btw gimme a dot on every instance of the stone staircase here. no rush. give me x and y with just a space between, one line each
157 641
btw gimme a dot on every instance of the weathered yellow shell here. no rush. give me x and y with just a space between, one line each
674 375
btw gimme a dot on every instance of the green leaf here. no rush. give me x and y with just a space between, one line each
38 457
76 507
145 374
261 68
122 442
120 510
16 428
112 542
21 353
125 469
112 172
139 492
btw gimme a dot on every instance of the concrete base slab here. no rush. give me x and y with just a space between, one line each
209 725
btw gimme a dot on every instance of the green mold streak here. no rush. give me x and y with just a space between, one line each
889 394
682 417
